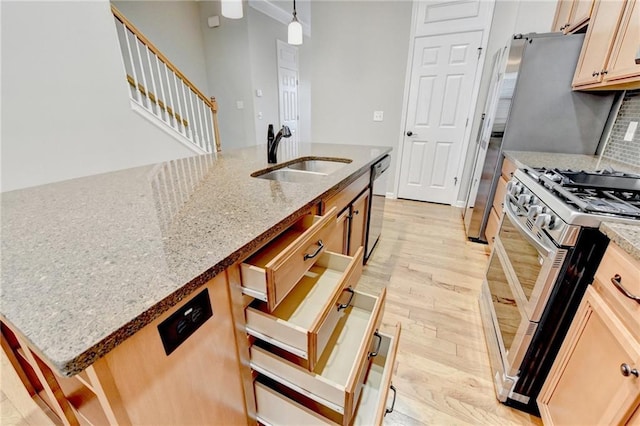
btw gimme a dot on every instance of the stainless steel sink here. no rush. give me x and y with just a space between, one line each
303 169
317 166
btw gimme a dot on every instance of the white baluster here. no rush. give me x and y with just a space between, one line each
203 134
164 96
144 78
153 85
206 112
182 117
133 65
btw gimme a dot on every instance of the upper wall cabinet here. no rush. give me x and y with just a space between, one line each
572 15
608 56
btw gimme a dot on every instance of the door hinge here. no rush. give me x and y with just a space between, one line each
455 181
467 122
479 52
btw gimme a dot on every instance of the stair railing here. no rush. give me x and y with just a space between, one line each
161 89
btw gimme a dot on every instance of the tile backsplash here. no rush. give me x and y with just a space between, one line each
617 148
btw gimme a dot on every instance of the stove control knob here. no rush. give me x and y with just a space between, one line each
534 211
525 199
546 220
514 188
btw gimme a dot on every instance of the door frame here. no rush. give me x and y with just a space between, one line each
413 34
280 65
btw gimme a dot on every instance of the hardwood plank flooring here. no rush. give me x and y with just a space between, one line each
433 276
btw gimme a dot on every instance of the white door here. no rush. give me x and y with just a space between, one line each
442 81
288 88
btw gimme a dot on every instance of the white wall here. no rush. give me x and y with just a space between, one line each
509 17
174 28
359 61
65 100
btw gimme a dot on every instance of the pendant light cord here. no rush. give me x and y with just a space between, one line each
294 9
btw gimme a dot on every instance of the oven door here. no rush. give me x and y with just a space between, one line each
504 315
533 262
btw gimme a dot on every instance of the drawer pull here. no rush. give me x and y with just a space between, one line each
393 404
375 353
628 371
617 281
342 306
315 253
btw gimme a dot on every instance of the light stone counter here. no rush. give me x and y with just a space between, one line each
88 262
626 236
567 161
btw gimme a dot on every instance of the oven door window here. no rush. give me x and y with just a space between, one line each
505 302
523 257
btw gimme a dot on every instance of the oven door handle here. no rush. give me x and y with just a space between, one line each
513 218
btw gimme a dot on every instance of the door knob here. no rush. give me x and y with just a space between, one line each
409 133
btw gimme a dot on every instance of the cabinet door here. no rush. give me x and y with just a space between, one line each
585 384
359 214
598 42
338 240
627 46
563 12
580 14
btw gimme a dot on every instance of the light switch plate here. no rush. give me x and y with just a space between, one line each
378 115
631 131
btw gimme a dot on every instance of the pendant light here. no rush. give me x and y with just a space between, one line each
231 9
295 29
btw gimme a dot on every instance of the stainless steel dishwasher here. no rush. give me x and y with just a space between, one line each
376 209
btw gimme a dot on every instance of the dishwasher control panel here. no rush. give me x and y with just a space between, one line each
185 321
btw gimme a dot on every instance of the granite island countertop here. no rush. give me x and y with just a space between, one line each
567 161
88 262
626 236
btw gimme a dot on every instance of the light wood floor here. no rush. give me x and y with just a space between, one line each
433 276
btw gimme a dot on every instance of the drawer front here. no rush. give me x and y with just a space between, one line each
343 198
498 199
270 274
493 224
278 405
276 409
336 379
304 321
616 262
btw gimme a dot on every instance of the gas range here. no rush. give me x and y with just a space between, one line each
560 202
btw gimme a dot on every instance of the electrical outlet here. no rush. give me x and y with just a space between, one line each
240 104
378 115
631 131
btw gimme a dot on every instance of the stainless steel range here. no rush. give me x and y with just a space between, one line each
544 257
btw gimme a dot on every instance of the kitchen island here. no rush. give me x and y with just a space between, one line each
88 264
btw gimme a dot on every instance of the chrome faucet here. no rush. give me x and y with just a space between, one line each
273 142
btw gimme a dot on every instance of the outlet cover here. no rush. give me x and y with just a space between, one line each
378 115
240 104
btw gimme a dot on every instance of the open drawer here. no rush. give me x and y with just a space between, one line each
271 273
336 380
279 405
304 321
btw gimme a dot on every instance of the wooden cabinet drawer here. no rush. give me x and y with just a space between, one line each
336 380
271 273
493 224
498 199
616 262
304 321
279 405
343 198
508 169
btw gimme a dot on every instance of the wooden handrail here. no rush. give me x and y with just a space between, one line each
161 104
163 58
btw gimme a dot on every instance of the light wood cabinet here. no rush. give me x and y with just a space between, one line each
572 15
353 203
592 379
359 212
496 212
607 58
138 383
